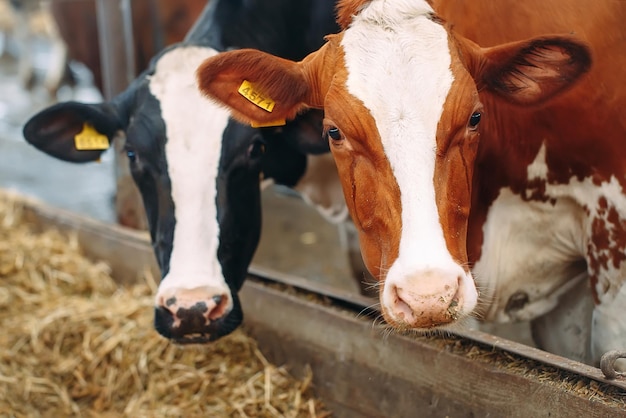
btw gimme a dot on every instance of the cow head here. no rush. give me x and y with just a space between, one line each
199 174
400 92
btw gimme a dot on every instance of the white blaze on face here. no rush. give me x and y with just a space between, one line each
398 63
194 128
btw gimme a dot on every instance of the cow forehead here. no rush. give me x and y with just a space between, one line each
175 70
398 64
191 121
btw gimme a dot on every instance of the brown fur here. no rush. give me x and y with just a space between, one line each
285 82
582 128
347 9
286 88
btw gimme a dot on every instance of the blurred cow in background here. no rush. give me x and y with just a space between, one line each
156 24
47 35
32 37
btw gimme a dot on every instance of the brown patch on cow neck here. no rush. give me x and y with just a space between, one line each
607 248
503 156
618 237
535 190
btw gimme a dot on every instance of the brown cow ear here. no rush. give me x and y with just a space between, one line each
529 72
259 88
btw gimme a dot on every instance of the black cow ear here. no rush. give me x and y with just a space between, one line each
73 131
305 133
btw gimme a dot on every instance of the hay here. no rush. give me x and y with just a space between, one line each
514 364
75 344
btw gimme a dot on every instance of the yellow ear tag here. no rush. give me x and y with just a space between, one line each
248 91
89 139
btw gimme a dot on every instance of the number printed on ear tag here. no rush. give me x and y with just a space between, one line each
89 139
248 91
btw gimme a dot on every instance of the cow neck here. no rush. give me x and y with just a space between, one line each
227 24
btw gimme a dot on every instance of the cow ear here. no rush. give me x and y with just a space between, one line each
532 71
72 131
305 133
259 88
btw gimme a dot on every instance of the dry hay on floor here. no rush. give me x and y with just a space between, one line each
74 344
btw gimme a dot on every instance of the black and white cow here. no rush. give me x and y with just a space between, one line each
199 171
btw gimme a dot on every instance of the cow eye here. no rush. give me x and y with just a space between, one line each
333 133
474 119
257 148
131 154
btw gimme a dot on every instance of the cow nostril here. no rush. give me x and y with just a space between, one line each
200 313
402 308
163 321
220 308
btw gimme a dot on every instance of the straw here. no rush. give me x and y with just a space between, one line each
74 343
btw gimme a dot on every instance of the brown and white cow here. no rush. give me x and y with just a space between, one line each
506 159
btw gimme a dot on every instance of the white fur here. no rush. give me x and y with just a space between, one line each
566 330
194 128
608 328
531 246
398 65
524 243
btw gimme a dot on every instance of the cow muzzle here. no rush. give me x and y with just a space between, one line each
196 315
428 298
